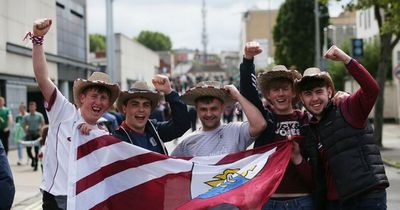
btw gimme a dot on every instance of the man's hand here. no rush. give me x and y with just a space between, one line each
252 49
162 84
339 97
296 157
41 26
85 128
336 54
233 91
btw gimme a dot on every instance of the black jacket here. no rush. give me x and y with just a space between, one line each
354 158
165 131
7 189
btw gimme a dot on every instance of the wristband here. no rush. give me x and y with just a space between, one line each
36 40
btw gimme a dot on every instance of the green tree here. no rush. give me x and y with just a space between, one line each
387 14
294 33
154 40
97 42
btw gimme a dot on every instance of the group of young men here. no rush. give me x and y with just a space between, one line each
335 163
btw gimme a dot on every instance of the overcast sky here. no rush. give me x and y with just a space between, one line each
181 19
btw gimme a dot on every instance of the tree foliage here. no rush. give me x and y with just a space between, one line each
97 42
154 40
294 33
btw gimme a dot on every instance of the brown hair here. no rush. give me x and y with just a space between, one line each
44 131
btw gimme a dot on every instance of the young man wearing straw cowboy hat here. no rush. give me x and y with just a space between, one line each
283 120
214 138
341 144
137 104
92 97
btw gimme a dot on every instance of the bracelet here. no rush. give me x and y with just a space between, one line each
36 40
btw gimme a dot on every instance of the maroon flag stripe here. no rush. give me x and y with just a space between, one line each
166 192
95 144
116 167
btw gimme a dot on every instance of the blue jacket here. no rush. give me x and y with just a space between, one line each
7 189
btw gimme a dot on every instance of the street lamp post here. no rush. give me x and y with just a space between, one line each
317 38
110 40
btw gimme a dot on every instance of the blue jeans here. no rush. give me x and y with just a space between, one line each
299 203
370 201
20 152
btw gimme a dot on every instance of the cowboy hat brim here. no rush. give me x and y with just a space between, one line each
191 95
81 84
124 96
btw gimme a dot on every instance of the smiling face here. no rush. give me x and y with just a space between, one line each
316 99
137 111
95 101
209 112
280 95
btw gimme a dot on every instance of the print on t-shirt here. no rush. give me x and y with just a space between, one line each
286 128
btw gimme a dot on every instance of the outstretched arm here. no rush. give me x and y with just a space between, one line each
40 28
254 116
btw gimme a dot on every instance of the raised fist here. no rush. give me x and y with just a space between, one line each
161 83
41 26
336 54
252 49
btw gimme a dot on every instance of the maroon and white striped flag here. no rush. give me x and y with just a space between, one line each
106 173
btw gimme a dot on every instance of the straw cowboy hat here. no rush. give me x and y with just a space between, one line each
278 71
312 74
207 88
139 89
97 79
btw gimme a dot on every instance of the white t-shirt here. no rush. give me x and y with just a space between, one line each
63 121
227 138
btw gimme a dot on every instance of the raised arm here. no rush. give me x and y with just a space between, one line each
180 121
256 120
40 28
361 102
248 85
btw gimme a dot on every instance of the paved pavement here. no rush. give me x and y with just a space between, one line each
27 181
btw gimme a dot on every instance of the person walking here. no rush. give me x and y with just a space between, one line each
6 122
32 123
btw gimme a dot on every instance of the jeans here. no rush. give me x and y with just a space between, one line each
303 202
370 201
20 152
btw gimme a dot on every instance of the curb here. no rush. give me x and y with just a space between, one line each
391 163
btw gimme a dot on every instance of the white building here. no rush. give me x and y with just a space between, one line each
133 62
368 30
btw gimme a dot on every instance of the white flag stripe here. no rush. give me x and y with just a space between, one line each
128 179
107 155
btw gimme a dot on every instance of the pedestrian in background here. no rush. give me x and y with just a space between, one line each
6 121
18 132
32 123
